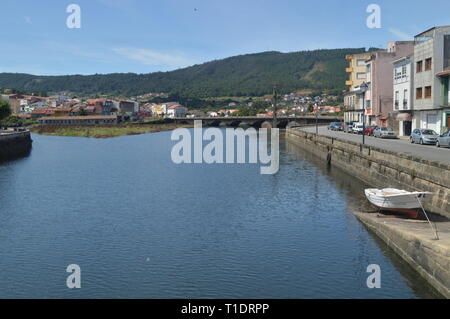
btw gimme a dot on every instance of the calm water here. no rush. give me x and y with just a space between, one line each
140 226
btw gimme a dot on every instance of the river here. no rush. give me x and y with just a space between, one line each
140 226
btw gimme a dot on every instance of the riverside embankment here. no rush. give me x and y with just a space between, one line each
413 241
14 144
382 168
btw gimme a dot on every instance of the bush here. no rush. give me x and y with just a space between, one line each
11 121
5 110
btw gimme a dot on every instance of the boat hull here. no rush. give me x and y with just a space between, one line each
410 213
398 201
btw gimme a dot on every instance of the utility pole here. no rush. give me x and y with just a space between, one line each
316 111
363 88
275 108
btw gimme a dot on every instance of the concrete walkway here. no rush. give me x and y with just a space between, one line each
415 242
401 145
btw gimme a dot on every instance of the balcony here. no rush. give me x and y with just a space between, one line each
349 70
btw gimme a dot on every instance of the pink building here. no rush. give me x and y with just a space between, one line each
379 96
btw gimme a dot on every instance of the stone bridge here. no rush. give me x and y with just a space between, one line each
258 122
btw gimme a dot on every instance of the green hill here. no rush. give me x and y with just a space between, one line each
244 75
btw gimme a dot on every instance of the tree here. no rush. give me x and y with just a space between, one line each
5 110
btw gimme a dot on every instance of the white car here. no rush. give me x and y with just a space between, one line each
358 128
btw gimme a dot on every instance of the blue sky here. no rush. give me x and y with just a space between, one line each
160 35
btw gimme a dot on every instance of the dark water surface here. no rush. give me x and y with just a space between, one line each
140 226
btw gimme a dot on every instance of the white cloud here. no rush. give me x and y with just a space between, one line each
154 58
401 35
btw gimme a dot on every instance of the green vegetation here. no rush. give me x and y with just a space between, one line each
245 75
5 110
258 107
105 131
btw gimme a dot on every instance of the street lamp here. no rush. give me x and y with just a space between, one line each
316 110
363 88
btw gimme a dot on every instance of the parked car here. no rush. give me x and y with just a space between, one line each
384 132
424 136
348 127
358 128
443 140
335 126
370 130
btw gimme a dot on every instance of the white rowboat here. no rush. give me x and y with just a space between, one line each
397 200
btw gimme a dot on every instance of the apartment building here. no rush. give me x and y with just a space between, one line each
431 79
379 100
356 70
403 77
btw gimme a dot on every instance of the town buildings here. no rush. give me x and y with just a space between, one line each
408 84
431 79
403 77
169 109
176 111
379 95
353 109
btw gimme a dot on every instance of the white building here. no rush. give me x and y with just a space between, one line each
431 79
176 111
403 93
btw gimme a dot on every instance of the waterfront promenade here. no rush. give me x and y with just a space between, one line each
428 152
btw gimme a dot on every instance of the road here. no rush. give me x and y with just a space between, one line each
429 152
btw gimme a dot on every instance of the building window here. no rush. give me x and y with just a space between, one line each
419 93
405 99
419 66
428 64
361 76
361 62
428 92
396 99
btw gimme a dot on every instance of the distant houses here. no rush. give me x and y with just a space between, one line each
405 86
170 109
176 111
63 110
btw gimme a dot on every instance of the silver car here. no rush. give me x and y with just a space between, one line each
443 140
424 136
384 132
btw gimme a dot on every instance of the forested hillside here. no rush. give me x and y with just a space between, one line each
244 75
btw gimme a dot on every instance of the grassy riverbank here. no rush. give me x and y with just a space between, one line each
105 131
